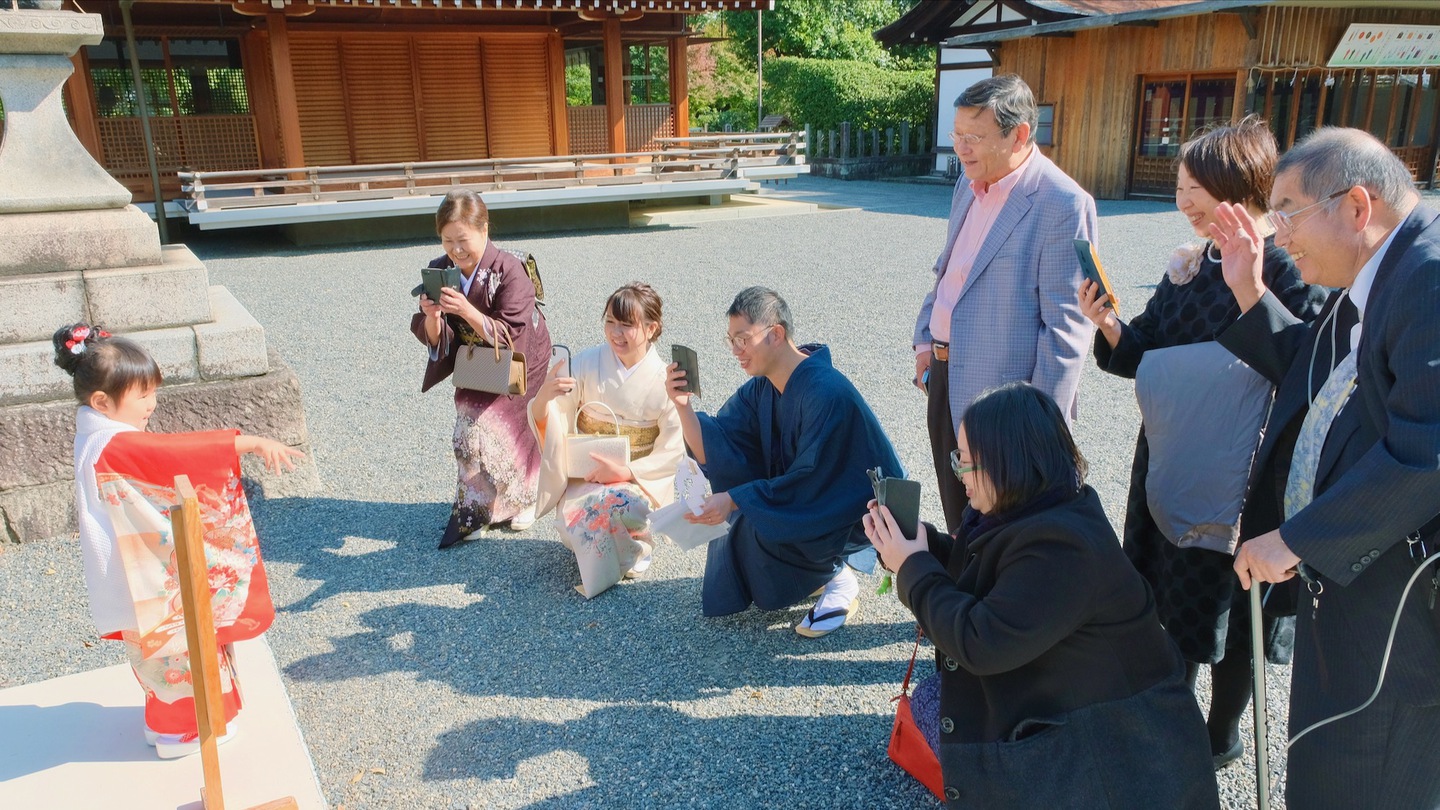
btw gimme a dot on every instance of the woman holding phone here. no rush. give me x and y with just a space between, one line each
1195 587
617 387
495 453
1057 685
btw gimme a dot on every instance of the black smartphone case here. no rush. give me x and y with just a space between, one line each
435 279
689 362
902 497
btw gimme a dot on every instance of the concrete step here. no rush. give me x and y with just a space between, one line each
739 206
231 343
77 741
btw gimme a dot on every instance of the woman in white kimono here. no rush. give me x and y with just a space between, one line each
604 517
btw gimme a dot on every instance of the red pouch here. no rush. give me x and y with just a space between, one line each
908 747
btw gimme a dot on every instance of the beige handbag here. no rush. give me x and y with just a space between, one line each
497 369
578 446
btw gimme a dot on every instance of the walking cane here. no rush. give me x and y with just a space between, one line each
1257 653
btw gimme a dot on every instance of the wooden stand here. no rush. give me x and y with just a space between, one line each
200 640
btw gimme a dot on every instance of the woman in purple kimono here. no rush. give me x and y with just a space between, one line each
496 454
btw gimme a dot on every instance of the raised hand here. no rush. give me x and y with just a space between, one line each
1093 302
1242 251
675 386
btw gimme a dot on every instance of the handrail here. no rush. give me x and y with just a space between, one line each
286 185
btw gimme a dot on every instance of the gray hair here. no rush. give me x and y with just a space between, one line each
762 306
1332 159
1006 95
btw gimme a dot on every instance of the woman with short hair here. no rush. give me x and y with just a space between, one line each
1195 587
1057 685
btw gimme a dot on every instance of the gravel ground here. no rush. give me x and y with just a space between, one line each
476 677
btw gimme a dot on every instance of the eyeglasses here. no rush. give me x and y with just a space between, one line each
1284 222
971 140
738 342
955 465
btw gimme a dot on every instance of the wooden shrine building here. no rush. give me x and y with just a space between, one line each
1122 83
246 85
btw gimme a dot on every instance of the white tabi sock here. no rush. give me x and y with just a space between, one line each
838 595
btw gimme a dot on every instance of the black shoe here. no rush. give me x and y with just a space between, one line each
1226 757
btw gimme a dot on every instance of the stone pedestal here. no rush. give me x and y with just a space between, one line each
73 249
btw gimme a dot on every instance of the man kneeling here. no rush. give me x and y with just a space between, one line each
786 457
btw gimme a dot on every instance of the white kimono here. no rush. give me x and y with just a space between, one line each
601 522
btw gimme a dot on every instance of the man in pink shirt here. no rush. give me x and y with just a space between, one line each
1003 307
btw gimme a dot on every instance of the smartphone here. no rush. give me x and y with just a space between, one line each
435 279
1092 270
685 358
561 347
902 497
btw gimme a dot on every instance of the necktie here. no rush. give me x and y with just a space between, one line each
1327 404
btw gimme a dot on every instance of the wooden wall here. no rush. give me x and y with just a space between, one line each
1093 77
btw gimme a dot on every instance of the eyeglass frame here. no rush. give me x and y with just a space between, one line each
738 342
971 140
1286 222
955 464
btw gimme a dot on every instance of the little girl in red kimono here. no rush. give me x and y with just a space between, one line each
125 489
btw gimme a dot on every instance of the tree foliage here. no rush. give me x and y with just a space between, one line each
826 29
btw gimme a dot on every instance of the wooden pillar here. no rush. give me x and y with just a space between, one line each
283 74
81 103
559 112
680 85
614 85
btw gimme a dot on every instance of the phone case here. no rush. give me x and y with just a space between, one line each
435 279
689 362
902 497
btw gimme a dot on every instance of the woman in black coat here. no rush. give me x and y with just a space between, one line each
1058 686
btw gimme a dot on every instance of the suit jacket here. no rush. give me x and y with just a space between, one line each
1378 478
502 290
1018 317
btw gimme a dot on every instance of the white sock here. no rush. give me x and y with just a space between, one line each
839 593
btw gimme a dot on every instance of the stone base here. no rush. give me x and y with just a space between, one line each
57 241
232 345
37 490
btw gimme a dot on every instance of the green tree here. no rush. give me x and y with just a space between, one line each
826 29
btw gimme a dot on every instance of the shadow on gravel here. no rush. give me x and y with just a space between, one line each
519 629
655 756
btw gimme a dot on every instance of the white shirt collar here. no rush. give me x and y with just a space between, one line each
1365 279
1360 288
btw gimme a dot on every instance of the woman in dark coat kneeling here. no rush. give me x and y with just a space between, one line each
1058 686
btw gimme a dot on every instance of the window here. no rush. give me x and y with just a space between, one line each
1045 126
181 77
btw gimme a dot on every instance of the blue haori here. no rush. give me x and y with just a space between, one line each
795 466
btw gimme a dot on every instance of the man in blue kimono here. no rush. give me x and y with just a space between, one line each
786 457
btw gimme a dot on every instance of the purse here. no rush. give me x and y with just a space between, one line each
908 747
497 369
578 446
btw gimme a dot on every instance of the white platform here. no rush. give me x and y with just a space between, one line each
77 742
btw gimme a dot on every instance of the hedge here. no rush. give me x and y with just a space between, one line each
825 92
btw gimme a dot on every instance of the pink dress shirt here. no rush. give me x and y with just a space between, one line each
982 215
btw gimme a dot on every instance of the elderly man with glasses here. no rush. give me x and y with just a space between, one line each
787 456
1345 490
1003 307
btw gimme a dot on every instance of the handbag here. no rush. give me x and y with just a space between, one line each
908 747
500 370
614 448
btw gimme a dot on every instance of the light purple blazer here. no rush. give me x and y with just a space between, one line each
1018 317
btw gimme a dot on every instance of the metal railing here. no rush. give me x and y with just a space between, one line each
716 157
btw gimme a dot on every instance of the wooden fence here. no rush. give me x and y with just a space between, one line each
850 153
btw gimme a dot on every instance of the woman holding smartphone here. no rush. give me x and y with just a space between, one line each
1058 687
495 454
614 388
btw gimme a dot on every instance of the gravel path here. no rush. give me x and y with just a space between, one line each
476 677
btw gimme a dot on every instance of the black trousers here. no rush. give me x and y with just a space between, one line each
942 440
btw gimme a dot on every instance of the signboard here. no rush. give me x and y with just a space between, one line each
1377 45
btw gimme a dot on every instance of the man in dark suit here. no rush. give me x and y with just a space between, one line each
1346 486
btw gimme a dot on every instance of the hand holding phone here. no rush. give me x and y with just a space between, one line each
435 279
687 361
